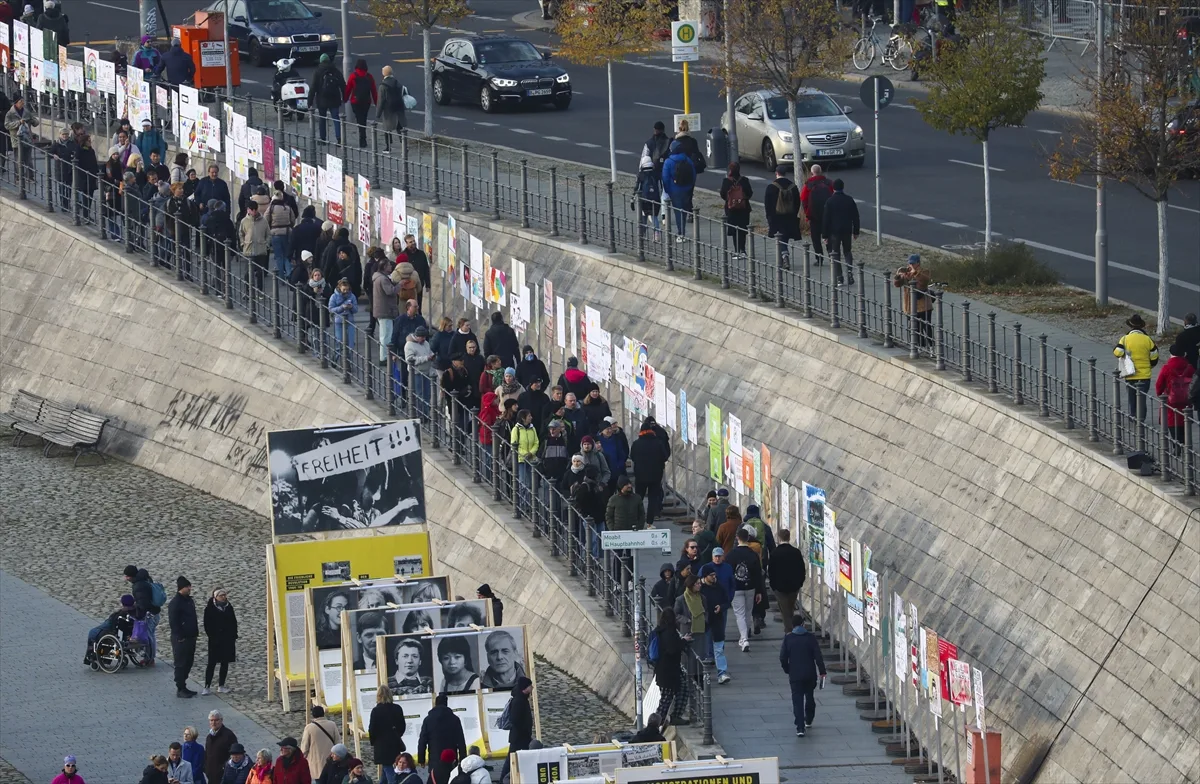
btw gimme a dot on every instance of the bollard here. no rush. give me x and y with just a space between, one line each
1117 441
940 336
321 344
434 172
612 221
404 158
993 370
862 300
1043 379
276 309
554 202
1069 394
495 185
966 341
888 327
724 259
807 282
466 180
1092 403
583 240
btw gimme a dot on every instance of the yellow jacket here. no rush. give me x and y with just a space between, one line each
525 439
1142 351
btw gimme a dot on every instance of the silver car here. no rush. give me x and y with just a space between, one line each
826 134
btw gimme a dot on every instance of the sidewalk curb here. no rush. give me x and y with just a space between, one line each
534 21
858 77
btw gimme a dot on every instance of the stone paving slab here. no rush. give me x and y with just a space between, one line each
111 723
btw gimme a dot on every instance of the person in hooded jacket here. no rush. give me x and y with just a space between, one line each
305 235
249 188
668 670
441 731
489 413
221 627
178 65
501 340
556 458
612 442
649 456
529 368
520 713
679 183
666 590
781 203
143 599
390 112
575 380
473 768
156 771
361 94
53 19
328 88
597 410
800 657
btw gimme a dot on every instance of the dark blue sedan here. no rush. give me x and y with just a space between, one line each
269 29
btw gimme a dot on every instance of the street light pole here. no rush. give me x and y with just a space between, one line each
346 39
612 132
730 120
228 67
1101 211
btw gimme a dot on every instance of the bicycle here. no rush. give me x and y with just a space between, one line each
897 52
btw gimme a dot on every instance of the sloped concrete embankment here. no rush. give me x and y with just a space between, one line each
192 393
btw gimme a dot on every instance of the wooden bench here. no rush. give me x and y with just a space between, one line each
51 418
25 408
82 434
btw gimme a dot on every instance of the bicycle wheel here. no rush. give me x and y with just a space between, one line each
864 53
902 55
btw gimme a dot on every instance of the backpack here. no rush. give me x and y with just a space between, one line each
683 175
362 89
505 720
1178 391
158 594
331 86
735 198
461 778
785 201
698 162
819 194
652 647
390 98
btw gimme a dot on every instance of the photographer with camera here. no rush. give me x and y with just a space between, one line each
915 282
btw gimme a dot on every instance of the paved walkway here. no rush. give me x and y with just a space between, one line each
111 723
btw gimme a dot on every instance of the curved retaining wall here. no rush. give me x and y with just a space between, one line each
192 394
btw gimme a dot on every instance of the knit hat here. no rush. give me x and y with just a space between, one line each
69 759
588 440
723 493
914 258
708 568
114 150
182 582
131 571
448 755
327 226
127 600
752 511
711 494
288 741
324 58
340 751
305 255
556 424
510 372
145 38
420 332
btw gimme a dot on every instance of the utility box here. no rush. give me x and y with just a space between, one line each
976 766
204 44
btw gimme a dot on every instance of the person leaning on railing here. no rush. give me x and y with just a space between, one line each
1137 355
914 281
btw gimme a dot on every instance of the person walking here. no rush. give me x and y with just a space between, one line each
156 771
317 741
648 197
1172 386
717 601
747 585
668 669
800 657
655 152
179 770
787 573
328 87
781 203
218 746
665 591
485 592
914 281
386 728
69 774
254 237
390 116
221 627
385 305
1188 339
362 94
736 192
815 194
705 539
715 504
281 220
650 455
691 617
624 510
1138 355
181 616
501 340
520 715
839 225
147 596
679 184
290 766
193 752
727 532
441 731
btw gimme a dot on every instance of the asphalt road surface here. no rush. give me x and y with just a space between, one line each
931 182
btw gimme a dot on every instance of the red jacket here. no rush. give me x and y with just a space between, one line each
296 773
488 414
361 73
1176 367
806 191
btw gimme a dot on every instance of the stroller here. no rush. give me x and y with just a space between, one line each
122 640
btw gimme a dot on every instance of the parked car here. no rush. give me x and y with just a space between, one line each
267 30
827 135
1184 130
498 71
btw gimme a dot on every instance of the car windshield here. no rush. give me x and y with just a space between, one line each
807 105
278 10
507 52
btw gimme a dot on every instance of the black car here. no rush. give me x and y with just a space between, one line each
269 29
498 71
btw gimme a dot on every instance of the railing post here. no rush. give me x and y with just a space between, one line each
125 217
390 396
589 541
75 217
913 351
889 340
940 337
516 483
706 708
862 300
51 185
345 350
19 149
752 271
410 395
300 325
993 359
103 213
434 174
835 320
1068 392
466 179
525 193
1018 370
612 220
1043 379
554 202
228 264
1140 413
1189 452
583 240
696 241
276 308
668 242
606 557
535 494
178 250
724 259
404 159
779 299
312 136
495 185
203 261
250 298
375 153
495 467
966 341
1117 439
806 284
1093 413
1164 444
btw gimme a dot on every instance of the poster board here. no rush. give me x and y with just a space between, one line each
761 770
345 477
570 763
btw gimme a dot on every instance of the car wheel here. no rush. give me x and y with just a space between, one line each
440 96
256 52
858 163
562 103
487 99
768 155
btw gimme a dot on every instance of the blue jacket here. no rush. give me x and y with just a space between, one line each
680 195
337 301
724 575
800 656
193 752
616 450
212 189
178 65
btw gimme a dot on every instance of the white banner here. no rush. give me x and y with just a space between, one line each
372 447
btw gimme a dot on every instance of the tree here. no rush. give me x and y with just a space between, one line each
989 79
1127 132
399 14
597 33
782 45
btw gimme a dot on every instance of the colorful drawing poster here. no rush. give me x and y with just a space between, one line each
308 174
399 224
427 237
452 251
960 682
748 473
20 37
106 77
832 547
254 151
75 80
297 171
349 200
476 271
899 636
716 466
871 597
498 283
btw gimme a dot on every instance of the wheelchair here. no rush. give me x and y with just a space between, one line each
113 653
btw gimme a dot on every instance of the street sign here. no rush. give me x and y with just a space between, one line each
693 121
648 539
685 42
866 91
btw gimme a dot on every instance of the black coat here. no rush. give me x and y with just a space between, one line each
249 188
420 264
529 369
501 340
840 215
387 731
54 19
222 630
178 65
152 775
670 655
1189 340
143 594
441 343
181 615
458 342
89 166
800 656
304 237
747 569
649 459
327 98
520 712
786 569
785 226
440 730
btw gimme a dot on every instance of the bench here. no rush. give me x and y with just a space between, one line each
82 434
25 408
51 418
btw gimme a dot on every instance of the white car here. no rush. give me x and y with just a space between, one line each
764 130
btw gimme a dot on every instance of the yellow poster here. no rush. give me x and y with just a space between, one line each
297 565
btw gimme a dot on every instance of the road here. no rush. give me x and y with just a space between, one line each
931 182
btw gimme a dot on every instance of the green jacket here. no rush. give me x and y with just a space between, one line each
525 439
624 513
760 533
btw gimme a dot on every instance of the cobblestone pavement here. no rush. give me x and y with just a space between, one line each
10 775
70 532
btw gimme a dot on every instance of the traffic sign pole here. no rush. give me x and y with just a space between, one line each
877 93
637 639
878 210
687 105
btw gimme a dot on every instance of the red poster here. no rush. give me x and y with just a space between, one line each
269 157
946 651
336 215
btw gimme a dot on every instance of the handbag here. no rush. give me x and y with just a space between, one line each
1126 366
410 102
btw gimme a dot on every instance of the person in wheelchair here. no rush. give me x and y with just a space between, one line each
119 623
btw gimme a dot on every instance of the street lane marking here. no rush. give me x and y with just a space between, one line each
520 130
886 208
589 145
954 225
1185 209
452 117
1054 133
884 147
656 106
490 19
1183 284
625 152
1076 184
113 7
412 60
487 124
976 165
919 216
554 138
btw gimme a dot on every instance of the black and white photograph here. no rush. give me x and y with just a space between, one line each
456 669
346 477
465 614
410 665
413 620
328 604
408 565
424 589
364 628
376 597
502 655
335 571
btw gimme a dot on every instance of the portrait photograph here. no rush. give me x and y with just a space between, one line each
410 665
502 657
465 614
456 668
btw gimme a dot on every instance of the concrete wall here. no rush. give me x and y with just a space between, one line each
192 394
